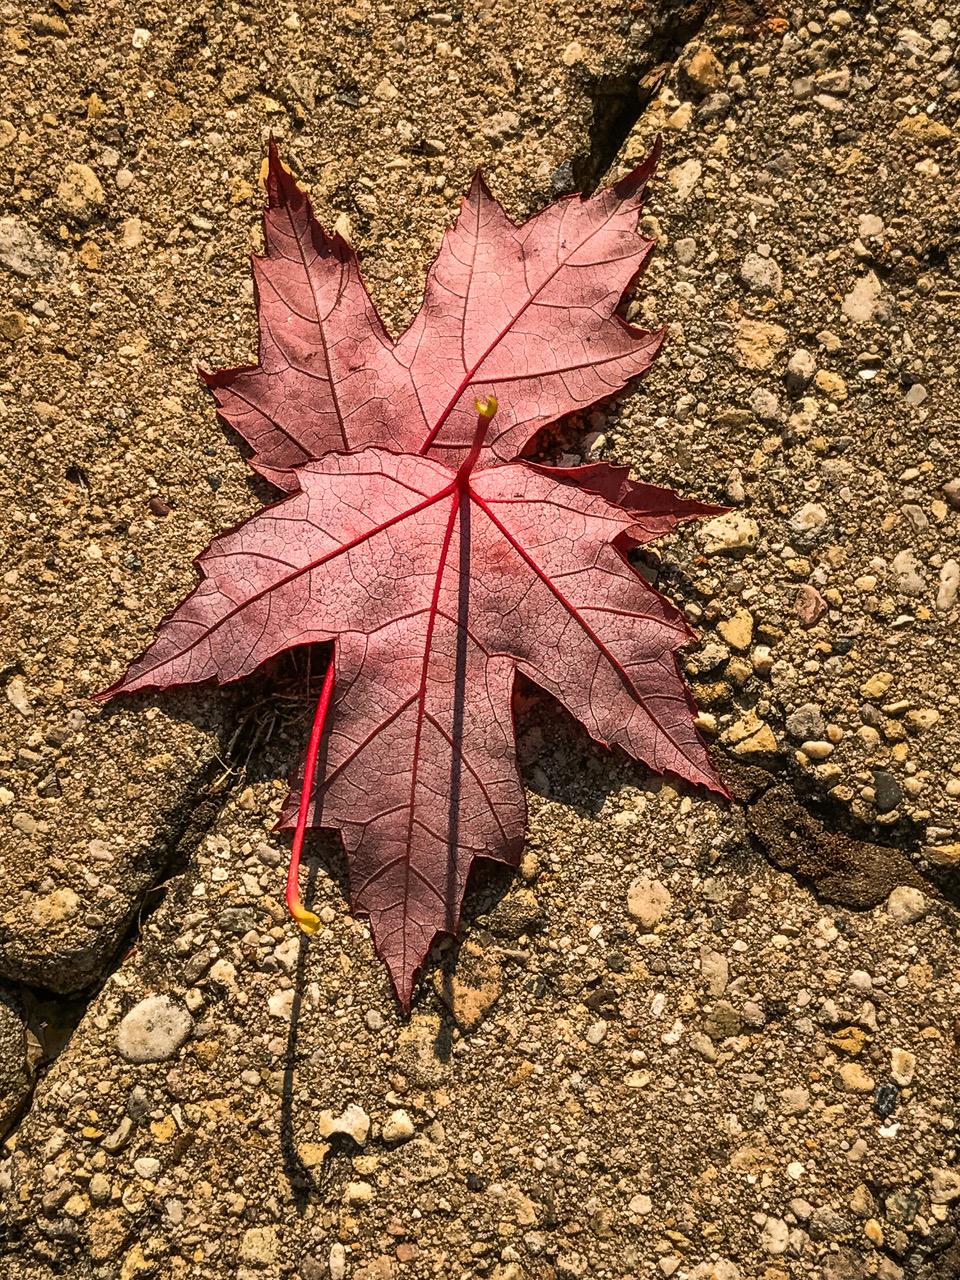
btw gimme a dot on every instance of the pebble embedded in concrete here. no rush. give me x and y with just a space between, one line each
154 1030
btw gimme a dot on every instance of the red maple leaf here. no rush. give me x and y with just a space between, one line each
436 572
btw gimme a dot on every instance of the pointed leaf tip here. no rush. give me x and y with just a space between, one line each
478 194
282 186
633 183
403 982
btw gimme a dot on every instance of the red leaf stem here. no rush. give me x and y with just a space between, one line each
307 921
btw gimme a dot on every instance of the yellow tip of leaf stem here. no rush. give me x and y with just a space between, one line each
307 921
488 407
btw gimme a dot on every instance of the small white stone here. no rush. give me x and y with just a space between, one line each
259 1246
796 1100
686 250
337 1261
502 125
906 905
18 697
353 1122
945 1185
715 970
398 1127
775 1236
359 1193
729 534
870 225
684 177
949 585
800 370
722 1269
153 1030
648 901
280 1004
860 980
224 972
761 275
859 303
809 518
902 1065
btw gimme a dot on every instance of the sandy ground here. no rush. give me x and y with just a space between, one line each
688 1039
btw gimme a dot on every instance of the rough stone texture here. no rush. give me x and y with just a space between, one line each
786 177
15 1073
581 1096
99 798
219 1144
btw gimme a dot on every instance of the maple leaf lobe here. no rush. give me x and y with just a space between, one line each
327 378
529 313
656 510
